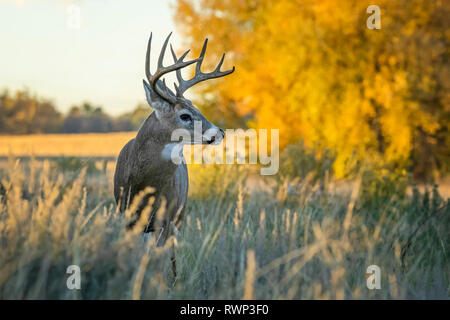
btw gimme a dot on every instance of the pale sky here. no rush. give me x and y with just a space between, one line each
101 62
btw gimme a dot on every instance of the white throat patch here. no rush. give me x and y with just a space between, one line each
173 151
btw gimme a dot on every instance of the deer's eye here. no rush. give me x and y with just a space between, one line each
185 117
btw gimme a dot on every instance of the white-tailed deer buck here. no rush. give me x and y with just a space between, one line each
146 161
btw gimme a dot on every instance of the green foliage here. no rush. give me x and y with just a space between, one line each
223 181
298 161
75 165
382 189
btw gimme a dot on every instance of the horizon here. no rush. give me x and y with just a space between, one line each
87 64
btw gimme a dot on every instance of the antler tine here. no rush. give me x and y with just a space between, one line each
178 72
199 75
202 55
163 51
161 70
147 58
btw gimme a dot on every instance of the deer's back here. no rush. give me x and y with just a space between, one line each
122 174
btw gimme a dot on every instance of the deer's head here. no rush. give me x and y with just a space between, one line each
174 111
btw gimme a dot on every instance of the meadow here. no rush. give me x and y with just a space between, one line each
301 234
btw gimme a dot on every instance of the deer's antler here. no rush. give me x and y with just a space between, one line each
160 86
199 75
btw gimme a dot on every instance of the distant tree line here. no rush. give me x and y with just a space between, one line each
24 113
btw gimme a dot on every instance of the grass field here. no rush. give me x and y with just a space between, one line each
87 144
290 236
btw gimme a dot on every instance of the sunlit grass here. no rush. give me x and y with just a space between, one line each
285 241
85 144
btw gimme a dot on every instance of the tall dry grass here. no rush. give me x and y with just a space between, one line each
307 240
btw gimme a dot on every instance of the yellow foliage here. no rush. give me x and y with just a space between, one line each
314 70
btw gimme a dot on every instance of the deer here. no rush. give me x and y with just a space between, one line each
146 161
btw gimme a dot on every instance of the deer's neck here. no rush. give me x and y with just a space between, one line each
154 148
153 132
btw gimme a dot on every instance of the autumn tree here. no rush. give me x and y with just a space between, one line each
132 121
315 71
23 113
87 118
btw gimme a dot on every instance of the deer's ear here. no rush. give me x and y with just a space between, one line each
154 100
